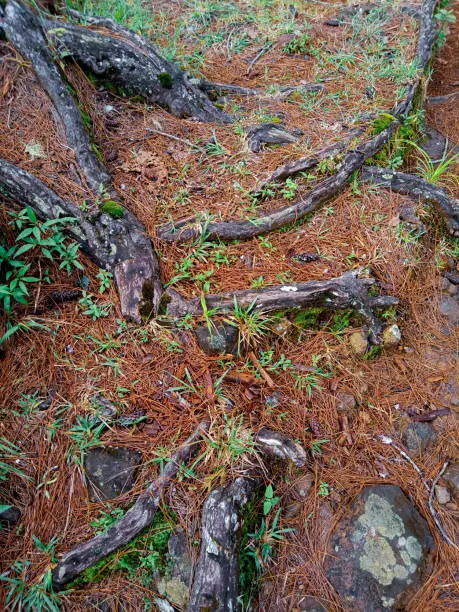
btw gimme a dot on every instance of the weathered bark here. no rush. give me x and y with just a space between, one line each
24 31
127 527
132 62
329 188
216 577
346 291
120 245
417 187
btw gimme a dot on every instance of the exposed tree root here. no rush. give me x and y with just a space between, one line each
308 162
23 30
137 518
120 245
275 444
419 188
329 188
216 577
347 291
130 61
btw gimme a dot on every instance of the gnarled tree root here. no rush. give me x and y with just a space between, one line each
127 527
119 245
346 291
329 188
216 577
418 188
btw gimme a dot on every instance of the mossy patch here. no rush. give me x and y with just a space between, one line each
165 79
112 208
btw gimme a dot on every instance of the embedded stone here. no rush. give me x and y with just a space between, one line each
392 336
418 436
110 471
451 477
223 339
359 343
380 552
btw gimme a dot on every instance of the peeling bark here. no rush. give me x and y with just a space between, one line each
119 245
216 577
418 188
127 527
346 291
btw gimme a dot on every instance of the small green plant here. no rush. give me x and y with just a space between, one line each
300 44
269 500
252 324
311 382
25 595
316 447
9 454
105 277
93 309
324 489
288 192
84 435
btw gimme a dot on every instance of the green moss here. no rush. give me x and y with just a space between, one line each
381 123
309 318
112 208
165 79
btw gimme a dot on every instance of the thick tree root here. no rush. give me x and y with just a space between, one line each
119 245
216 577
346 291
133 63
417 187
24 31
329 188
126 528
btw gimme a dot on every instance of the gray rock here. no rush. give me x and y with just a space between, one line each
224 339
418 436
180 557
359 343
442 495
451 477
392 336
449 308
10 514
268 133
380 552
435 144
110 471
345 403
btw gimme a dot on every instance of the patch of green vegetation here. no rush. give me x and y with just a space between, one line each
141 558
309 318
165 78
341 320
112 208
381 123
300 44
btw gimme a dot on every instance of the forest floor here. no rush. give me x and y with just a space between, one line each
85 350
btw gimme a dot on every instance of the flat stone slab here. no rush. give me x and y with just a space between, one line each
379 553
110 471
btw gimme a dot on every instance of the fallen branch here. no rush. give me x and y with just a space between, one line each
119 245
346 291
127 527
419 188
263 373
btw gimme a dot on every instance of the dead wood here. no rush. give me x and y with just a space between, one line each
127 527
346 291
418 188
119 245
332 186
216 577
